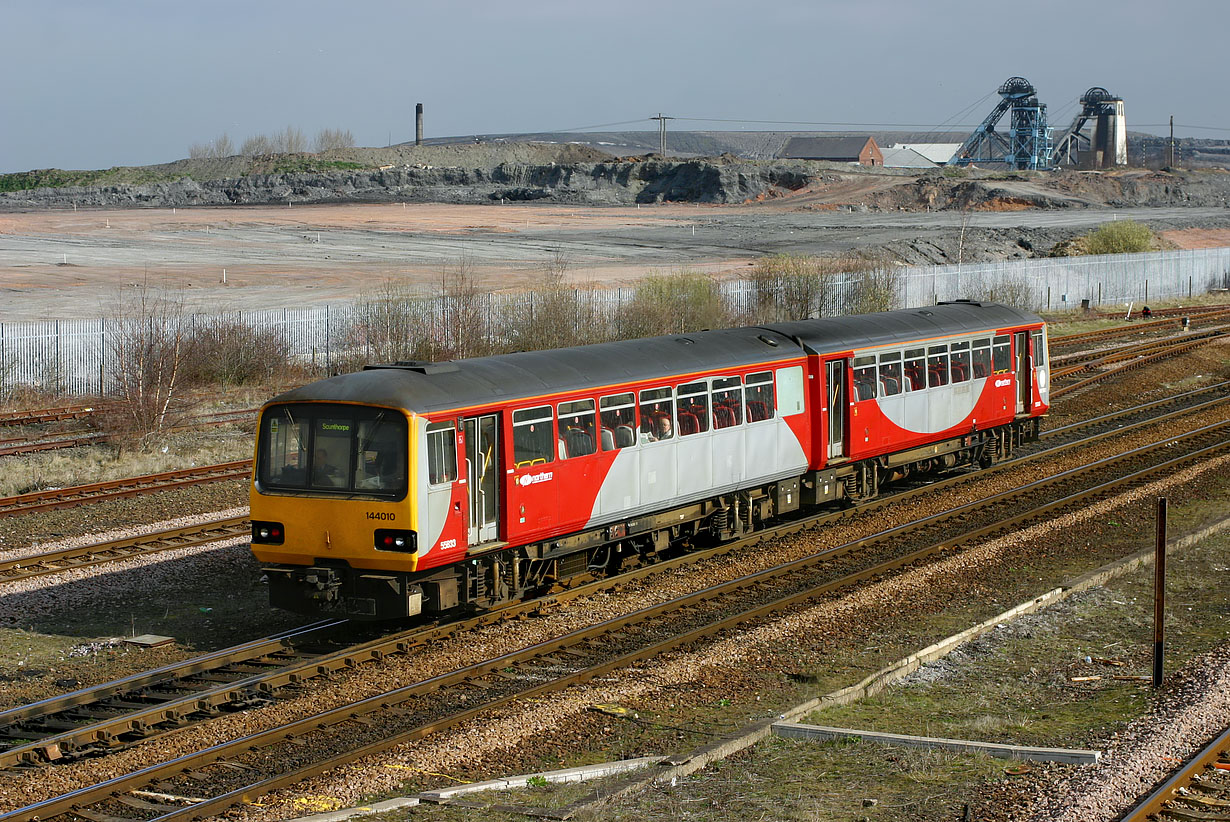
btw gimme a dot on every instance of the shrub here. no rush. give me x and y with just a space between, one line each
1119 237
674 304
228 351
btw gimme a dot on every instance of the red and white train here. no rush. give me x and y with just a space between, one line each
425 487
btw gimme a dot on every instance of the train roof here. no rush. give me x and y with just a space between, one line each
429 387
426 388
907 325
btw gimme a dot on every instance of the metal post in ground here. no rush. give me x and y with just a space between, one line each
1159 593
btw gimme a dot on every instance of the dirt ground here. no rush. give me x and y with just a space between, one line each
61 264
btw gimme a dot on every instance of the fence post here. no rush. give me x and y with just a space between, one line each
328 339
102 357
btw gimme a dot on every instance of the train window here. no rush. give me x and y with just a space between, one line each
759 396
864 378
1039 349
577 427
381 456
960 362
915 369
333 449
727 402
693 408
790 390
284 441
1001 354
533 436
441 452
982 358
331 452
890 374
937 366
618 415
657 414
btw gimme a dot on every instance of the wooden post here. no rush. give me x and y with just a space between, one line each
1159 594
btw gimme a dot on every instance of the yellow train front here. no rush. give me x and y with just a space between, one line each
353 549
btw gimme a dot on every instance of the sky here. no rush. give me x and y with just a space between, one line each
91 84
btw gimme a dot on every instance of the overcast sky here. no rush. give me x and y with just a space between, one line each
90 84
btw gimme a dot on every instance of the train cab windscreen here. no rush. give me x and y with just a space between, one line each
333 449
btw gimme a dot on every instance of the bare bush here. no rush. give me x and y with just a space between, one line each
463 325
1013 291
228 351
148 342
793 287
875 288
391 324
674 304
330 138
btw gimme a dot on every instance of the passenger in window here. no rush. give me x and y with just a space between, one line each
390 471
660 428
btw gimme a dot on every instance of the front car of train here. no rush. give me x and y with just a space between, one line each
349 551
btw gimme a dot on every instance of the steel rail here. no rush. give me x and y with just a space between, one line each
578 644
1117 331
122 488
100 553
1186 795
1108 357
67 412
1056 393
142 721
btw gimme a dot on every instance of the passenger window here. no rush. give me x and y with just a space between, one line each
577 428
1002 354
890 374
982 358
657 414
937 366
760 396
960 362
727 402
618 415
915 369
441 452
864 378
693 408
533 436
1039 349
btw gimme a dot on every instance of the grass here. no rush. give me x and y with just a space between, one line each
61 178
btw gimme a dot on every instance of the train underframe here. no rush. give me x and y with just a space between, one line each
502 575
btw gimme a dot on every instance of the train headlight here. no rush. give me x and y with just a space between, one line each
268 533
392 539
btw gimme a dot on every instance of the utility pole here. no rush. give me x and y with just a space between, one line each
662 131
1171 164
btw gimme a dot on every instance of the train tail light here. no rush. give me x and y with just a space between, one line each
391 539
268 533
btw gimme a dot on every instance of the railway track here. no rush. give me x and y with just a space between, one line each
444 700
38 416
1200 790
1173 319
14 446
1136 360
1084 361
118 489
100 553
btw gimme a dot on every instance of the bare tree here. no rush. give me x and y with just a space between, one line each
148 342
221 146
464 321
290 141
329 138
675 304
256 145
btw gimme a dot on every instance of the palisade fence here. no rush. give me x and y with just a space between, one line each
73 357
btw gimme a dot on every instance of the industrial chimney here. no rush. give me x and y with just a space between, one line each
418 124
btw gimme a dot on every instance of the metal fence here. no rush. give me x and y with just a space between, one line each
73 357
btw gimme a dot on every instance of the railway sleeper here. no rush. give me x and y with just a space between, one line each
503 575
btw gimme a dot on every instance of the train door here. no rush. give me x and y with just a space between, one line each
1024 374
835 374
482 454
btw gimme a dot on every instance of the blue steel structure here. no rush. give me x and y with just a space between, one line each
1028 142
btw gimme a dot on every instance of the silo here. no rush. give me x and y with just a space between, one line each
1110 135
